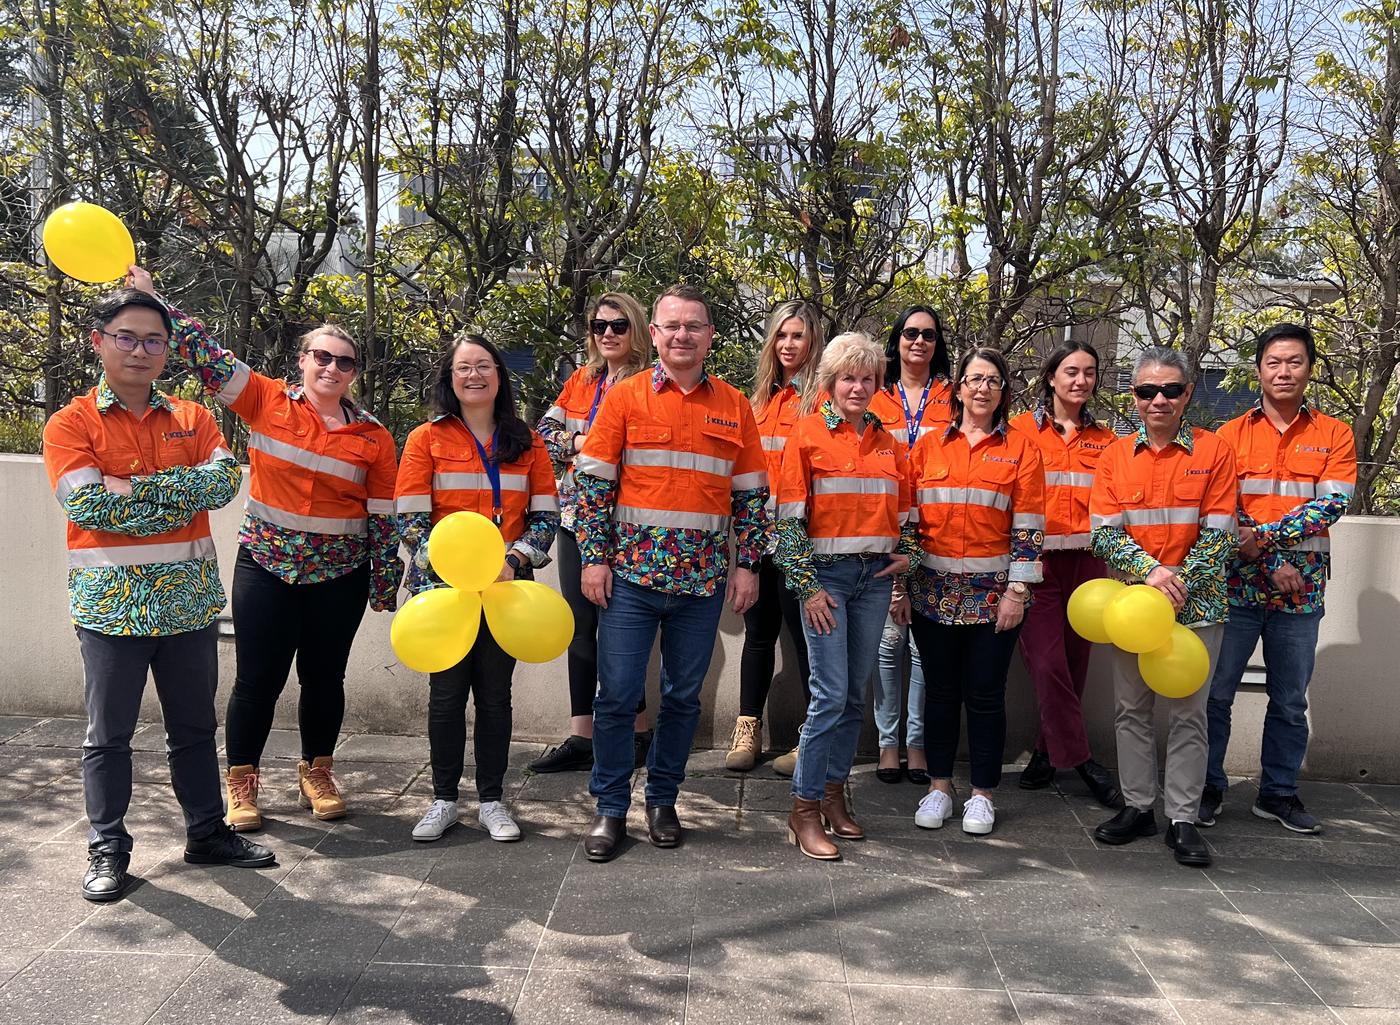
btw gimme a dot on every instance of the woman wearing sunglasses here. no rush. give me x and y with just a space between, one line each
914 401
475 455
784 389
317 542
617 347
980 501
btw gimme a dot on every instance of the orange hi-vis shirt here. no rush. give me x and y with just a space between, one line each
853 490
441 472
775 423
969 499
1069 475
937 413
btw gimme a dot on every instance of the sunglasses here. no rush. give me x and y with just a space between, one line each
929 334
1148 392
345 364
600 327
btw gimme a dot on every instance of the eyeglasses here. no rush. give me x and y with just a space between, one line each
1148 392
979 382
482 370
693 327
154 346
600 327
928 334
345 364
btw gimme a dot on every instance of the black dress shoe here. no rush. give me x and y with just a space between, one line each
1188 844
663 828
641 744
604 837
890 774
225 847
1038 773
919 776
106 877
1127 826
575 753
1100 783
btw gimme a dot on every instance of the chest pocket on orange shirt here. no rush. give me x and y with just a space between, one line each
1188 489
1306 465
998 475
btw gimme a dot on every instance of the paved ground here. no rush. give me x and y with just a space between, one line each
359 924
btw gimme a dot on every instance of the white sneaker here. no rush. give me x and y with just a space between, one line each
497 821
934 807
978 815
438 819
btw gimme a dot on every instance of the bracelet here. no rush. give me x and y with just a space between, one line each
1008 596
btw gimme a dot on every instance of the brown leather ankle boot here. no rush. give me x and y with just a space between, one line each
806 834
835 815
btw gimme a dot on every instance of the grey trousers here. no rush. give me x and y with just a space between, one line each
186 671
1187 742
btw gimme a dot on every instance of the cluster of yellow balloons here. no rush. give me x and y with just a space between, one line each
1140 619
435 629
88 242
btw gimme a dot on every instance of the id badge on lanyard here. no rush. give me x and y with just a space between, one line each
493 474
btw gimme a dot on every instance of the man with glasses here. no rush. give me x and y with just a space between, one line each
136 473
672 462
1162 511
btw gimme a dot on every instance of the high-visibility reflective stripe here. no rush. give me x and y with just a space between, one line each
904 517
943 564
749 481
914 515
310 524
1063 479
479 482
670 518
413 504
1027 521
75 479
852 545
1162 517
1063 542
1336 487
242 374
964 496
595 467
220 453
1312 544
1026 572
854 486
142 555
576 423
771 505
544 503
773 443
557 413
1219 522
675 460
1112 520
379 506
792 510
1274 486
898 433
306 459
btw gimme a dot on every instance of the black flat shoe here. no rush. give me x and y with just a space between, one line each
1038 773
890 775
604 837
641 744
1188 845
1127 826
106 878
1100 783
575 753
663 827
919 776
226 847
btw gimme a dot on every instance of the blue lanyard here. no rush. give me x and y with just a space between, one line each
493 473
598 396
913 421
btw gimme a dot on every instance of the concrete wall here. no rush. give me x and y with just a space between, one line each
1355 713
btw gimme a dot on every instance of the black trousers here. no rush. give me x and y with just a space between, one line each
275 622
775 606
583 649
484 674
965 669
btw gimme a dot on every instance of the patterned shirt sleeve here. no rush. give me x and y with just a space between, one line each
593 521
750 524
794 557
385 567
211 362
1205 568
93 507
558 439
190 489
1026 543
1115 546
414 528
909 545
1312 517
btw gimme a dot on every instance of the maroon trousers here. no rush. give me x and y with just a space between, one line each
1057 658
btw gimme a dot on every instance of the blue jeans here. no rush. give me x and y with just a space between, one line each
1290 649
626 631
889 688
841 663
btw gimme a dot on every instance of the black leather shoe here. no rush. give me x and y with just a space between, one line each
663 828
575 753
919 776
890 775
604 837
1100 783
226 847
1188 844
641 744
106 877
1127 826
1038 773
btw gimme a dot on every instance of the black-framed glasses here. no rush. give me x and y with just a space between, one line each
981 381
345 364
1148 392
929 334
128 342
620 326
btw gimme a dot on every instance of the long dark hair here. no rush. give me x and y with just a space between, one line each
938 365
1052 364
513 437
994 357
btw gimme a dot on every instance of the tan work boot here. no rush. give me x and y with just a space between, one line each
243 814
745 748
837 816
786 765
806 834
320 790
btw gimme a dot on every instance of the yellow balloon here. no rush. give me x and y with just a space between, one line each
466 550
88 243
530 621
1178 668
1139 619
1086 605
435 629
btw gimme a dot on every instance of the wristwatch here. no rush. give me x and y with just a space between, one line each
752 567
1018 588
514 561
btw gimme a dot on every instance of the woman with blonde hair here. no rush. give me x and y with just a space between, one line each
784 388
617 346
